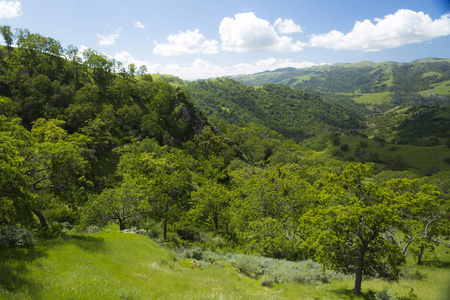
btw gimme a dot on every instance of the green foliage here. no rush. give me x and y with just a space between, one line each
344 147
280 271
299 114
346 231
13 236
93 229
365 77
124 204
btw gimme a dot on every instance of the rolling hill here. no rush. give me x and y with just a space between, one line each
367 82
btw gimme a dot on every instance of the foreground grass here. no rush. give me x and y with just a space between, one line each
116 265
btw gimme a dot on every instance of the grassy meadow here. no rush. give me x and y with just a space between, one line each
116 265
419 159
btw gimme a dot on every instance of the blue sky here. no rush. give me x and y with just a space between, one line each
201 39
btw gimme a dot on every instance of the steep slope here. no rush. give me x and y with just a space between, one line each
294 113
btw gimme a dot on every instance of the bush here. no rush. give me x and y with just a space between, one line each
142 231
93 229
385 295
281 270
173 239
363 144
53 230
337 153
12 236
188 233
446 160
344 147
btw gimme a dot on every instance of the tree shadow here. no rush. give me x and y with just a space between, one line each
344 293
87 243
436 264
15 263
14 267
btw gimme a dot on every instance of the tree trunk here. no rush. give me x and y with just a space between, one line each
165 221
359 270
165 228
121 224
41 218
419 258
216 222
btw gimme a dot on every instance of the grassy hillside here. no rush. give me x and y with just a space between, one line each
419 160
115 265
371 82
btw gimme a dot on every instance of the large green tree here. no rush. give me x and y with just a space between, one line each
346 230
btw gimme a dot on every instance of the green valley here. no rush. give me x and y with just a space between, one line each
331 182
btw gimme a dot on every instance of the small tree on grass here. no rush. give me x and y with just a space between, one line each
346 232
123 204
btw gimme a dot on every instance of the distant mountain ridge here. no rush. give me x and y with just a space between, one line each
431 75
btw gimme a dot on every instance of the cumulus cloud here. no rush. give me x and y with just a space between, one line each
395 30
247 33
189 42
108 40
139 25
10 9
287 26
202 69
126 58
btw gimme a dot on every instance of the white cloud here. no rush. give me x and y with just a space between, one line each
395 30
139 25
247 33
108 40
287 26
189 42
201 68
10 9
126 58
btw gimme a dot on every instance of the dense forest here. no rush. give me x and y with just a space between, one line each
214 164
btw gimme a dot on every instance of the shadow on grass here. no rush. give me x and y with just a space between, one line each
14 268
344 293
436 264
15 263
87 243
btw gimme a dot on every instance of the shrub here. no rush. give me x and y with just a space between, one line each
267 280
93 229
281 270
334 139
141 231
446 160
12 236
173 239
194 252
344 147
53 230
337 153
397 163
363 144
188 233
430 170
385 295
67 225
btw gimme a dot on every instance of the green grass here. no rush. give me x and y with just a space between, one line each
442 88
375 98
117 265
418 158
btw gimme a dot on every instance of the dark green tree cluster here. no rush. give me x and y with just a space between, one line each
295 114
